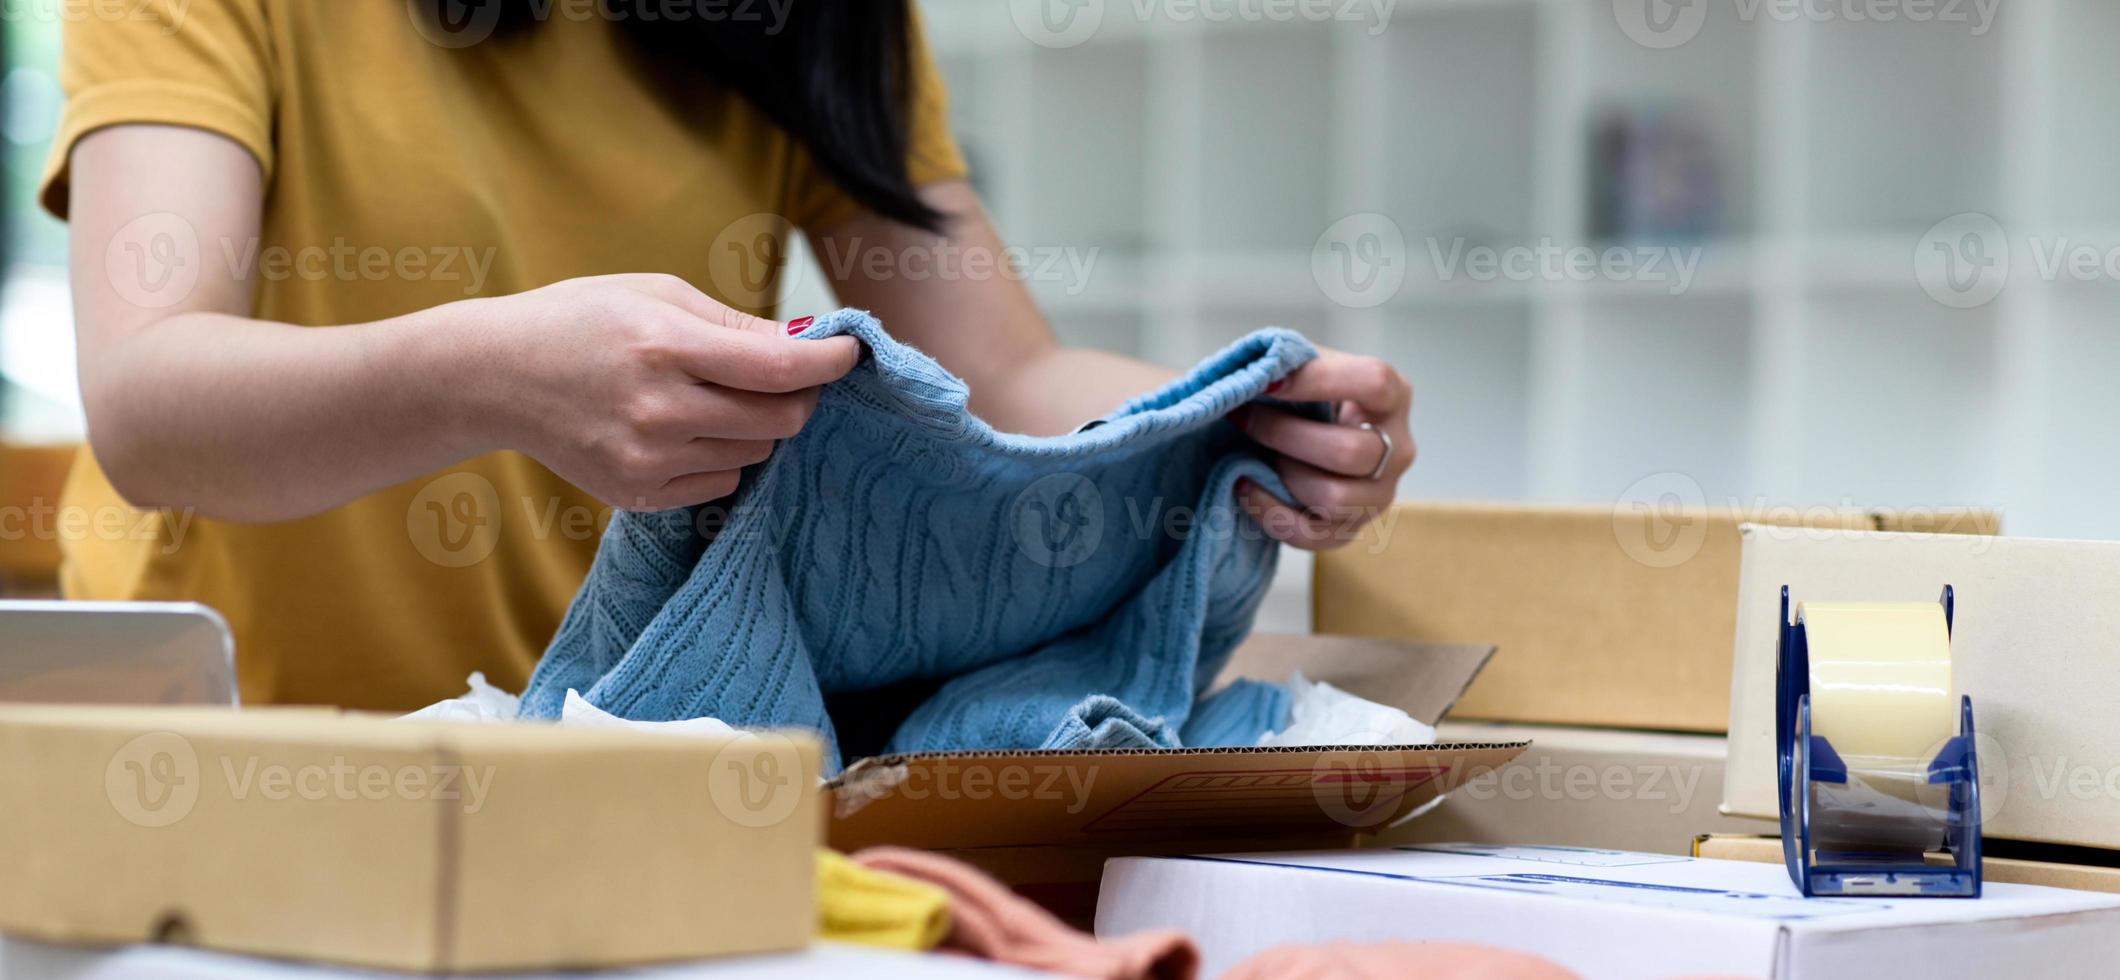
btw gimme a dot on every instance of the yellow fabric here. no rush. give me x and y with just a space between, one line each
547 157
877 908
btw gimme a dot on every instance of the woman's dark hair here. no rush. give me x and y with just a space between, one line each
836 74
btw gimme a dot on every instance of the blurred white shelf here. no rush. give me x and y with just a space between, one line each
1211 160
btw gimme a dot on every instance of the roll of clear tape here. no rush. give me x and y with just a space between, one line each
1881 694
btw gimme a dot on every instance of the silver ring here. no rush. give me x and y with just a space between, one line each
1384 461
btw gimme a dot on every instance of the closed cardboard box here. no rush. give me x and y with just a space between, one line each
2035 642
1584 787
1607 616
1607 914
306 834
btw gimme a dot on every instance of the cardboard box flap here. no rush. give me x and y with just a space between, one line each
1422 679
1157 798
1013 799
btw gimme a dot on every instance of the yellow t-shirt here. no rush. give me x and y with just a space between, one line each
401 174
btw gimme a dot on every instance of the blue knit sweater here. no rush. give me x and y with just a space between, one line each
1078 591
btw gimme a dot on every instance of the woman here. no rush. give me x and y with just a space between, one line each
397 298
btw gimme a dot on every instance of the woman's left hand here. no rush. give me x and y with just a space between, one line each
1342 475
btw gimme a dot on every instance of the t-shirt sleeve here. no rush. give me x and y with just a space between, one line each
207 64
932 154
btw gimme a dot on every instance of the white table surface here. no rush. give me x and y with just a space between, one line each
22 960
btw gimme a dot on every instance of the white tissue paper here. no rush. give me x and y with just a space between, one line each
486 703
483 702
1321 714
579 713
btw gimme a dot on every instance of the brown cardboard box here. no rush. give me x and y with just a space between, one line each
2021 871
426 846
1584 787
2032 643
1044 822
1608 616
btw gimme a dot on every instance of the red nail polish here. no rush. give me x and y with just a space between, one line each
798 326
1277 386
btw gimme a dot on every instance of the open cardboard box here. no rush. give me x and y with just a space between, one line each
1045 821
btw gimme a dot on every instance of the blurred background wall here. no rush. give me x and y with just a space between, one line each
1630 252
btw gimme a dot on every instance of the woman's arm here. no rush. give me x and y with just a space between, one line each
638 389
987 329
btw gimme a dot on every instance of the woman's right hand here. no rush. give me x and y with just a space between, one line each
643 390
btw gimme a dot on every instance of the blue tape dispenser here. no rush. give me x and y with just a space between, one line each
1880 776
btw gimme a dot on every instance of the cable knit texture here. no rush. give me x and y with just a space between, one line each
1067 592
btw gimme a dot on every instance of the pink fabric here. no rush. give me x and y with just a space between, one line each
1397 961
991 922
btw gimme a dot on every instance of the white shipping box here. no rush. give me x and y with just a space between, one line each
1607 914
2034 642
